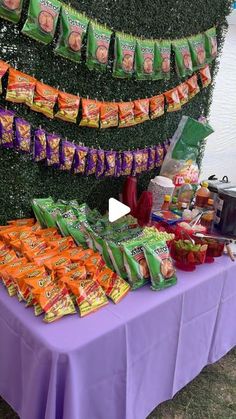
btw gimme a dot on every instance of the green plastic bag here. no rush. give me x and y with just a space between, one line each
164 48
124 55
42 20
77 234
197 49
115 252
147 60
211 44
11 10
98 42
135 263
160 265
183 60
37 205
73 27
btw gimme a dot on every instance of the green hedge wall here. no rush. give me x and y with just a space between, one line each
22 179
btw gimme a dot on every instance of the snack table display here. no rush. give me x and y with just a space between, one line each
123 360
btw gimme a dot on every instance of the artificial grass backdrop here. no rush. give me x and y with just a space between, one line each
22 179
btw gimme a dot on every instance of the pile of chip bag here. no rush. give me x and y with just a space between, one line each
52 274
135 254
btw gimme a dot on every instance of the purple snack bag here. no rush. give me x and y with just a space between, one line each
22 135
127 163
159 155
145 160
100 163
39 144
79 164
118 164
53 150
6 128
67 155
110 163
151 158
137 163
91 162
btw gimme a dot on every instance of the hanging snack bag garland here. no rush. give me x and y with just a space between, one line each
109 115
98 42
123 66
3 69
45 98
20 88
42 20
11 10
211 44
147 60
68 107
197 49
90 113
22 135
183 61
73 27
164 47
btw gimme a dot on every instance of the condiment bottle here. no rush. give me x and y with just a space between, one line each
202 196
166 203
174 203
185 194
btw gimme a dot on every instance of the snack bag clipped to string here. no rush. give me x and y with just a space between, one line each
126 114
98 42
40 145
45 98
197 49
109 114
146 60
68 107
91 162
80 156
118 163
110 163
141 110
100 167
172 99
160 265
183 91
135 263
67 155
6 128
90 113
53 150
20 88
211 44
205 75
11 10
42 20
183 61
137 162
114 287
164 47
193 86
3 69
123 66
157 106
22 135
73 27
151 158
127 163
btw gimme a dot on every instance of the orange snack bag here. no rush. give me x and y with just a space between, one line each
183 92
115 287
157 106
193 86
126 114
172 99
47 232
8 257
86 254
44 255
21 222
20 87
90 113
45 98
56 262
5 272
68 269
109 115
205 75
89 296
62 244
74 253
3 69
93 263
71 278
68 107
141 110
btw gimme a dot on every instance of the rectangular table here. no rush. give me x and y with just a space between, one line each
122 361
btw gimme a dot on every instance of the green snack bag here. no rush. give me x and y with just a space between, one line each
66 218
135 263
51 212
197 49
37 205
183 60
98 43
163 49
11 10
73 27
147 60
160 264
211 44
42 20
124 55
115 252
77 234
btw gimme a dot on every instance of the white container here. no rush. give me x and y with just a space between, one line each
159 187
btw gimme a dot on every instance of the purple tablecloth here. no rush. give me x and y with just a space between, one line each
122 361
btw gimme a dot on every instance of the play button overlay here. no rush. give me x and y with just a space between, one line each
117 210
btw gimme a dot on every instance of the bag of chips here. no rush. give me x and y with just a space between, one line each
68 107
11 10
100 167
193 86
147 61
42 20
126 114
110 163
183 92
109 114
45 98
183 61
123 66
157 106
6 128
3 69
40 145
197 49
127 163
211 44
73 27
20 88
114 287
22 135
159 155
53 150
160 264
90 113
118 163
164 47
90 297
151 158
67 155
79 164
205 75
141 110
115 251
98 42
137 162
135 263
172 99
91 161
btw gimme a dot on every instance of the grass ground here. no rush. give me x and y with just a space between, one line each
212 395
